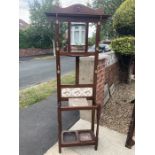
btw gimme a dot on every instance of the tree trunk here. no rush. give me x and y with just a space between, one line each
125 68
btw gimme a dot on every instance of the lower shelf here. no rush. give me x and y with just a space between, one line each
77 138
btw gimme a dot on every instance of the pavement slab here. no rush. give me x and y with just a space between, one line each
110 143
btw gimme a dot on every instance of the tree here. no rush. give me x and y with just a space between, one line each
109 7
124 18
124 46
42 30
23 39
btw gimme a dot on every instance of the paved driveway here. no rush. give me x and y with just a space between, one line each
33 71
38 126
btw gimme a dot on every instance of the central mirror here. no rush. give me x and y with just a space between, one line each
78 31
75 38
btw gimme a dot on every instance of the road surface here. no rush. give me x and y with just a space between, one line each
36 70
38 126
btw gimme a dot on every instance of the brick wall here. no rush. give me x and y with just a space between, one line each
100 82
108 72
112 74
86 75
34 52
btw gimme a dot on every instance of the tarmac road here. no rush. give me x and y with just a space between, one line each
33 71
38 126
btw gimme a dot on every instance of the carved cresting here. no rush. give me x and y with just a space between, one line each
77 8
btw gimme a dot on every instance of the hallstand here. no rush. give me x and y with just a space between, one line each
77 95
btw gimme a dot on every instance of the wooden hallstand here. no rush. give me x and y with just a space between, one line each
77 93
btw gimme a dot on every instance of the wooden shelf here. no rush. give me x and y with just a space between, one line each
70 108
77 138
78 102
77 54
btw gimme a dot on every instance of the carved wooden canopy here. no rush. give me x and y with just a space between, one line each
77 13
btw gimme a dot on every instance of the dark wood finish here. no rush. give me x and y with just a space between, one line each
96 57
69 37
69 108
129 141
66 98
77 141
78 10
77 85
97 130
77 54
77 13
59 128
86 37
84 18
58 72
77 71
95 71
92 119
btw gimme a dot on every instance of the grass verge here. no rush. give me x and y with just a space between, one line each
34 94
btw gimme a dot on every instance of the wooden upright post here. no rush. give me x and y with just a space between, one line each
86 36
77 71
95 70
69 37
58 72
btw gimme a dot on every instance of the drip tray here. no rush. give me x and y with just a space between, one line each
78 137
85 136
69 137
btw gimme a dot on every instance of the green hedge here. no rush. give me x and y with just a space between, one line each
124 45
124 18
23 39
35 37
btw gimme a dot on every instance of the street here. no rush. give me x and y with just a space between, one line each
33 71
38 126
38 123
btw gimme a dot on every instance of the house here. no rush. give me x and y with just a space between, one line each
23 25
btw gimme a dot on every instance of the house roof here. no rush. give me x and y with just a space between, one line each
23 25
77 12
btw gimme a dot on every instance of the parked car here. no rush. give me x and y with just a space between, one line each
103 48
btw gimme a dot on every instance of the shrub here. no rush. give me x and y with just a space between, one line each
124 45
124 18
35 37
23 39
91 41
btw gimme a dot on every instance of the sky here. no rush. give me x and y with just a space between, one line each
24 9
25 15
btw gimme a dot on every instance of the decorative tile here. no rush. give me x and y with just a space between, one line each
76 92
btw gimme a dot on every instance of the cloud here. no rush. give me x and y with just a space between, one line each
24 10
